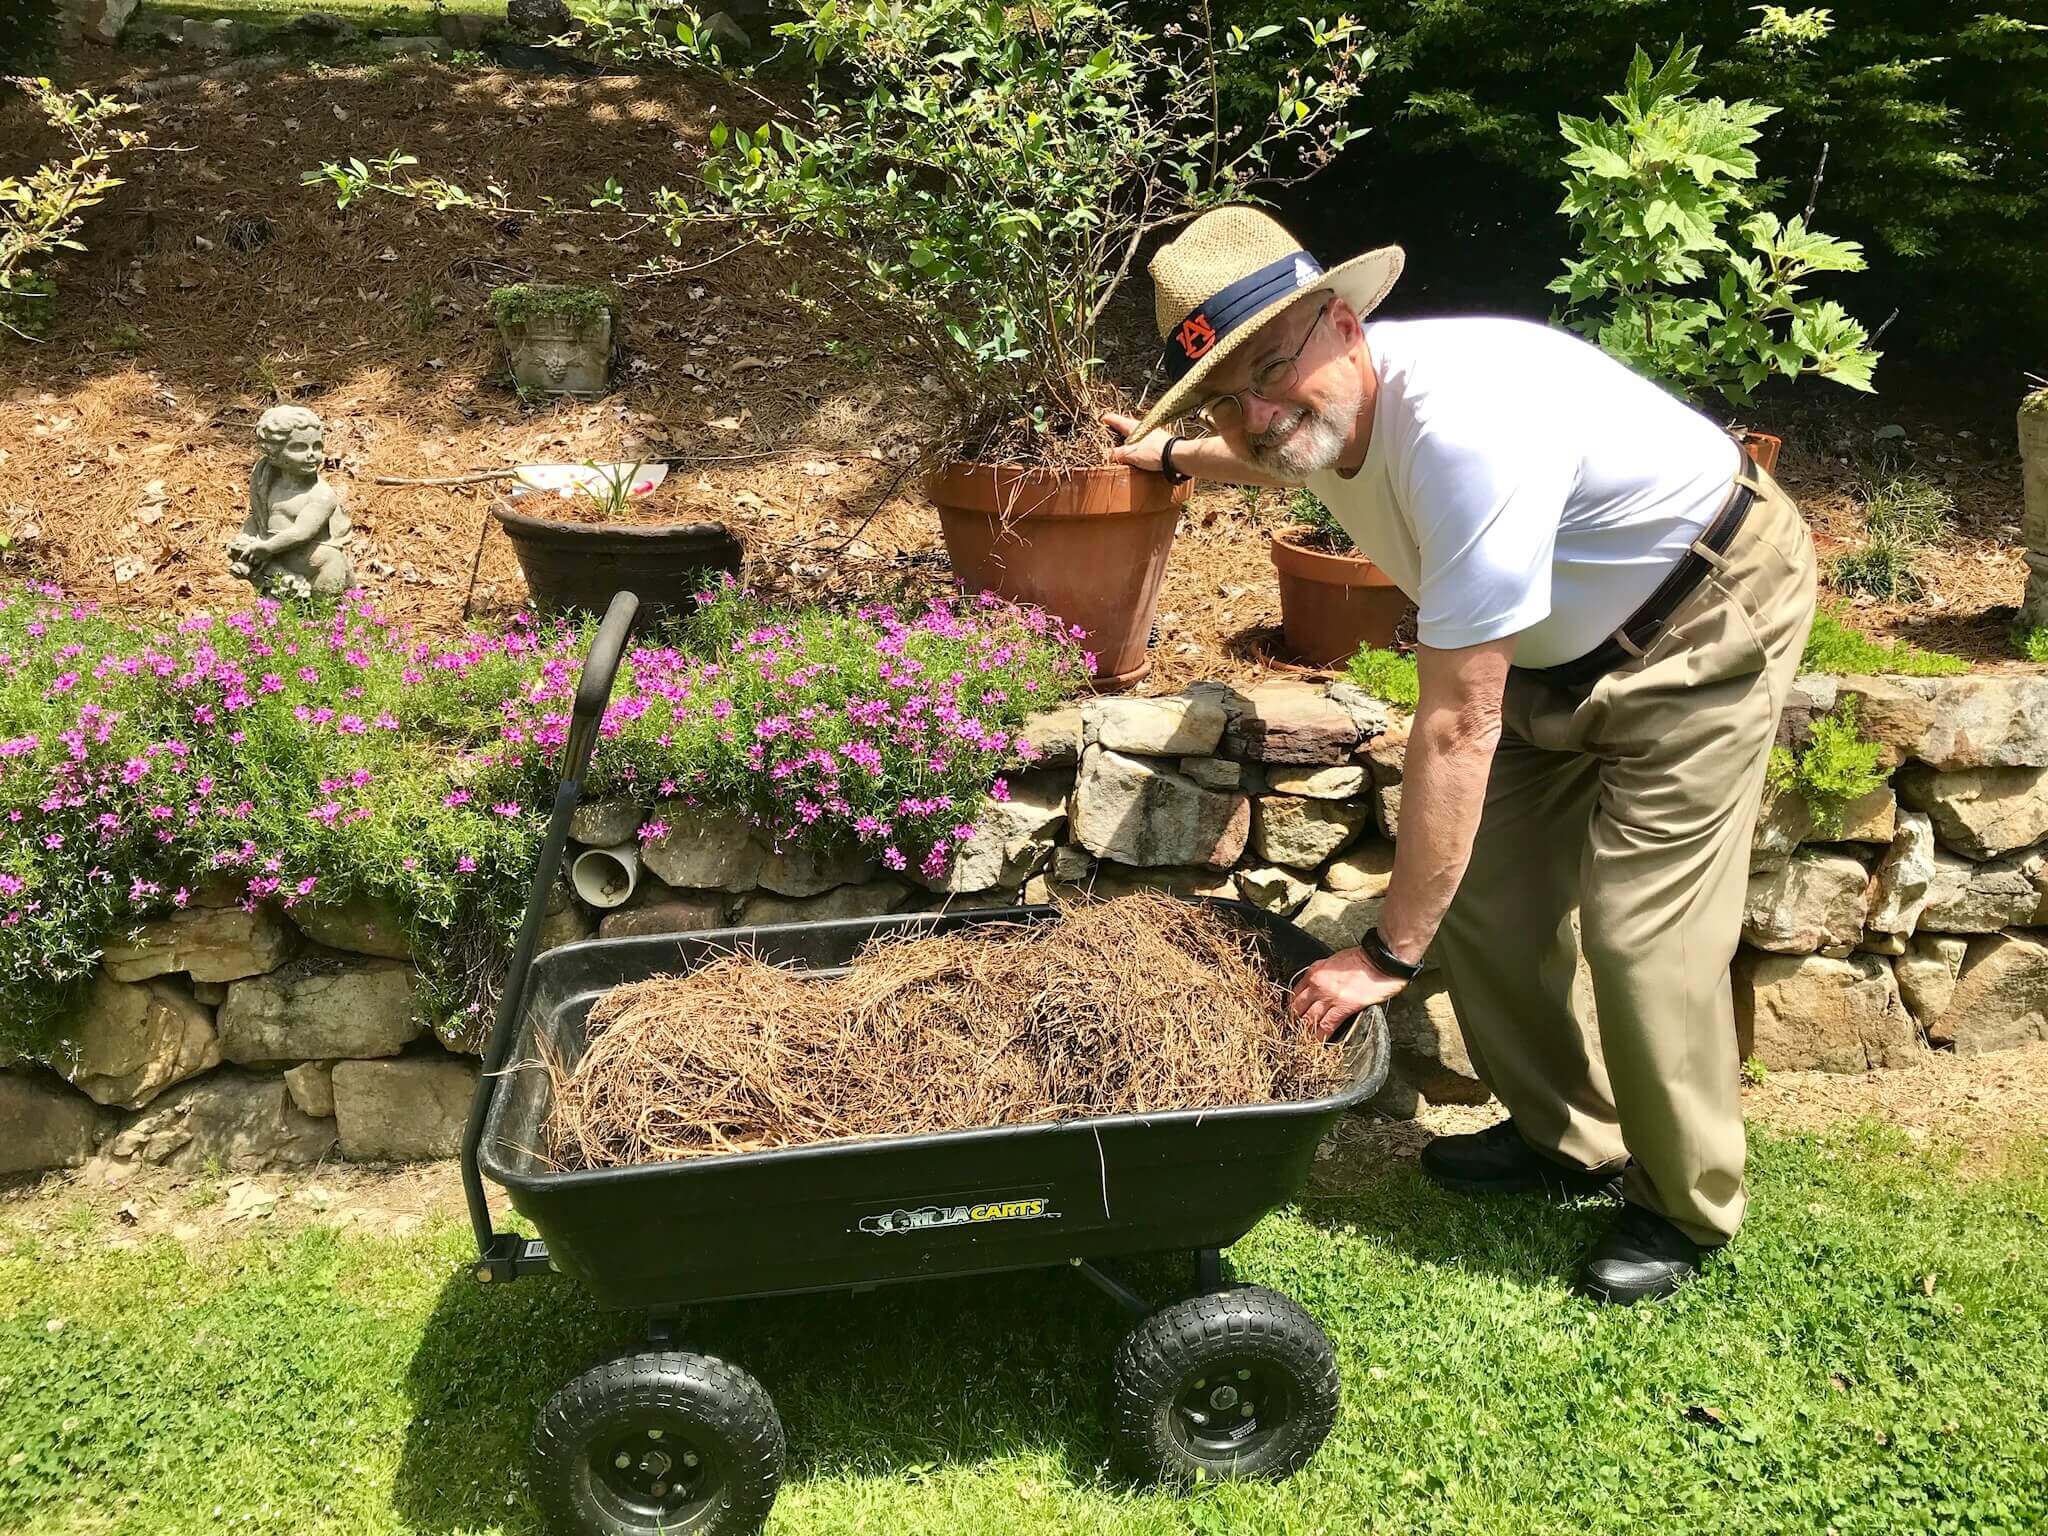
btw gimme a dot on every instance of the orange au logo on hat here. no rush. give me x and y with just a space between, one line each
1223 277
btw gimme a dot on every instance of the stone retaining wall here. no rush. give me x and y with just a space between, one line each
219 1038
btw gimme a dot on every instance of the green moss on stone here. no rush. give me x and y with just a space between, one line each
569 303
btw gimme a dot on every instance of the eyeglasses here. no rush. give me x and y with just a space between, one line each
1220 412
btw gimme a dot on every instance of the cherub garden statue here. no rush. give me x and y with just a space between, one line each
291 543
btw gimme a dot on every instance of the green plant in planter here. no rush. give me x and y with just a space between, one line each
571 305
1318 524
976 179
41 214
1680 276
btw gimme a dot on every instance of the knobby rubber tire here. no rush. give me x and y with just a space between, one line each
731 1408
1182 1342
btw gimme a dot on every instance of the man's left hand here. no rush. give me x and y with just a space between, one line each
1332 990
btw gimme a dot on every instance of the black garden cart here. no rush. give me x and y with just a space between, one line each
1223 1381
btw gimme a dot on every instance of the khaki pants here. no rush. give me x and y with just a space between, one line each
1632 801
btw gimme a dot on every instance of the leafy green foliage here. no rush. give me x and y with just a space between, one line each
1838 767
1385 675
42 214
1867 1355
1930 116
1680 276
1838 649
983 175
1306 511
2032 643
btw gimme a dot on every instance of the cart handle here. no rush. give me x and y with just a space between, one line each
593 693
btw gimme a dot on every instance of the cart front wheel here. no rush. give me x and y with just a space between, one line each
1239 1383
659 1442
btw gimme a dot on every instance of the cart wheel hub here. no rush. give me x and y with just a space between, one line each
1223 1397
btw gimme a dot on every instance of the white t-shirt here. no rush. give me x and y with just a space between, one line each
1521 481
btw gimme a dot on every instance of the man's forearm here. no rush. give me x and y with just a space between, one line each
1211 458
1443 790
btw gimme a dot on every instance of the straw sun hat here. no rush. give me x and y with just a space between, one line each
1227 274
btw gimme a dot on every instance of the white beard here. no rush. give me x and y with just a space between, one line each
1306 441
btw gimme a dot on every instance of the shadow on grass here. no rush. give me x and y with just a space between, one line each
1521 1238
901 1379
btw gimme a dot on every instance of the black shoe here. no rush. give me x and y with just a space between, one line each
1498 1161
1642 1256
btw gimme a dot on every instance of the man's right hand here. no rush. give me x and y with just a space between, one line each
1142 454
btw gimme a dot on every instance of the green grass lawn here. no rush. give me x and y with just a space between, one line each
1870 1356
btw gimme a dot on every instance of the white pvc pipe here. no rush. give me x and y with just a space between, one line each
606 877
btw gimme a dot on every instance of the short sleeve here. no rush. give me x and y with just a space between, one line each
1485 516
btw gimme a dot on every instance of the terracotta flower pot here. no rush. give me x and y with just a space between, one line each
1088 545
580 565
1764 448
1330 604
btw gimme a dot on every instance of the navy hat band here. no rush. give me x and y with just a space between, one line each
1193 338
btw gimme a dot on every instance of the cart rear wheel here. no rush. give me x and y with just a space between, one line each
1239 1383
667 1442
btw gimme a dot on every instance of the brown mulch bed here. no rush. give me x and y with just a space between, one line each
217 285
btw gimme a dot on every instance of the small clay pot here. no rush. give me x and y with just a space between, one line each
1763 448
580 565
1087 545
1331 604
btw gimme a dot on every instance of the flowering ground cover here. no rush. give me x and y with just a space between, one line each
294 755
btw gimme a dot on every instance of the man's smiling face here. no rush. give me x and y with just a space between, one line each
1303 415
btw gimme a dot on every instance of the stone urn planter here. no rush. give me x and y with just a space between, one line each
2033 435
1088 545
560 338
28 310
574 564
1332 603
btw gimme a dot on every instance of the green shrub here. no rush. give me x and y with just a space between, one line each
1839 650
1905 516
1885 565
1837 768
1306 511
1385 675
2032 644
1679 273
43 213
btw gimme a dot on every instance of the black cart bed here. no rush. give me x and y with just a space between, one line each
860 1213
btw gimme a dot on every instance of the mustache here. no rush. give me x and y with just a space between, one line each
1279 430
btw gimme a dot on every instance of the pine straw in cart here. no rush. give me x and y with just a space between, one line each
1131 1006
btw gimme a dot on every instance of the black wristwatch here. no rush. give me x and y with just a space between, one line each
1173 476
1382 955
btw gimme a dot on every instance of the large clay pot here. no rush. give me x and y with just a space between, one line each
1763 448
580 565
1088 545
1331 604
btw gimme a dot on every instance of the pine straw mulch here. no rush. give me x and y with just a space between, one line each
1131 1006
217 285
